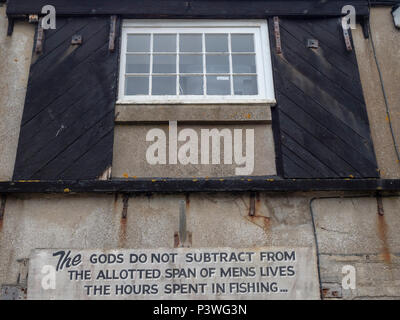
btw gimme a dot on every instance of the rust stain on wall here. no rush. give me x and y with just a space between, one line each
382 231
254 212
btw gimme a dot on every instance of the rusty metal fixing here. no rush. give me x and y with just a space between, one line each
125 202
113 26
252 210
347 41
312 43
277 36
39 38
379 203
3 206
182 238
76 39
33 18
182 222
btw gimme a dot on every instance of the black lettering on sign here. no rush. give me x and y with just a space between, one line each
65 260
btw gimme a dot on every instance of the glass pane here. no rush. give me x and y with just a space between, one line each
217 43
164 85
245 85
191 85
137 63
217 63
244 63
190 43
218 85
164 63
242 43
136 85
164 43
190 63
138 43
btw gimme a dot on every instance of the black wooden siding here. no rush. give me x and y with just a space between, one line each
320 122
210 9
68 119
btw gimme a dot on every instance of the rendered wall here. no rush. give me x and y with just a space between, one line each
387 42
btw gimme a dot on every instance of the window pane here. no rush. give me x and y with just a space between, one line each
138 43
190 43
164 43
164 63
217 43
218 85
136 85
190 63
245 85
242 43
164 85
217 63
191 85
244 63
137 63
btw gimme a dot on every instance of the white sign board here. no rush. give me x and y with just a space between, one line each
223 273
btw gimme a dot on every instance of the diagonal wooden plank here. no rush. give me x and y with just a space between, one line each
315 59
79 101
347 113
319 168
318 149
341 148
361 145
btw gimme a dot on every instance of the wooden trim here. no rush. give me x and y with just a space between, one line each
212 9
235 184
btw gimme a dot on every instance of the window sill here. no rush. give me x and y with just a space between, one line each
137 113
198 102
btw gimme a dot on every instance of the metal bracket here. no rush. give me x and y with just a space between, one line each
12 292
365 26
76 39
33 18
3 206
347 41
113 26
10 27
332 290
125 202
277 36
312 43
183 238
379 203
252 210
39 38
17 291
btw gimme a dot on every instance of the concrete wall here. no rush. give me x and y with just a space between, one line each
387 42
15 59
349 231
130 149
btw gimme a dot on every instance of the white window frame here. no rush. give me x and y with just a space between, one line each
262 50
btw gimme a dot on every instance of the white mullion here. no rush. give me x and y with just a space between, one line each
204 65
151 65
230 63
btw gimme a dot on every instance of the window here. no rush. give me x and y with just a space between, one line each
195 61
